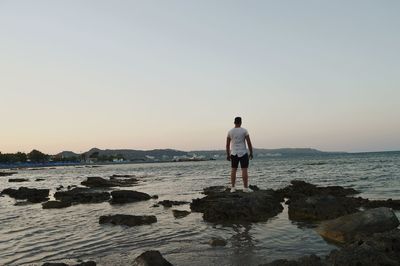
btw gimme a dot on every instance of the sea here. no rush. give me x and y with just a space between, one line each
30 235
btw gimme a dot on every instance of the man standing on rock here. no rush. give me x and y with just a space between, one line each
237 138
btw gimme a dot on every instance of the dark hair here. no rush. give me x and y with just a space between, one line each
238 120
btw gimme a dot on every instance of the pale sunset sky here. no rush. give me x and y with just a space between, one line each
174 74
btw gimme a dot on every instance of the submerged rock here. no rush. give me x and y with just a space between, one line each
39 179
121 176
311 260
18 180
348 227
128 220
95 181
82 195
217 241
170 203
54 204
86 263
7 173
32 195
238 207
151 258
180 214
126 196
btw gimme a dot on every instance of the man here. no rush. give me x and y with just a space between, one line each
237 138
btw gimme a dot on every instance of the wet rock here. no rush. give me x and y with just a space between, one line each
128 220
170 203
151 258
53 204
311 260
216 241
321 207
254 187
39 179
376 249
238 207
299 189
348 227
59 187
7 173
214 189
126 196
82 195
154 197
32 195
18 180
121 176
180 214
86 263
101 182
389 203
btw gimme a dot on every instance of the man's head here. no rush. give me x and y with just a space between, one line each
238 121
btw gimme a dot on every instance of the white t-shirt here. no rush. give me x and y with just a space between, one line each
238 141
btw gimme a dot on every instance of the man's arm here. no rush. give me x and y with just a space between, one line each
228 148
250 146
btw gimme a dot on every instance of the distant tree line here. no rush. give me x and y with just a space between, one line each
34 156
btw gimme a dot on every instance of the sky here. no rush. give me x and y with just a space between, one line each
174 74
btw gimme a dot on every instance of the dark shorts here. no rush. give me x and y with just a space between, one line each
244 161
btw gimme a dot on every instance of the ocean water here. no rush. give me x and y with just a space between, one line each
30 235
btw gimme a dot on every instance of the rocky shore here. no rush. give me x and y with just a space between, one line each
366 231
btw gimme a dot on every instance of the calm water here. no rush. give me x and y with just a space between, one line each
31 235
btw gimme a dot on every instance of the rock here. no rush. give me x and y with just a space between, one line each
33 195
214 189
53 204
151 258
216 241
121 176
170 203
376 249
321 207
86 263
7 173
238 207
299 189
39 179
346 228
311 260
101 182
154 197
18 180
54 264
126 196
155 206
254 187
128 220
394 204
82 195
60 188
180 214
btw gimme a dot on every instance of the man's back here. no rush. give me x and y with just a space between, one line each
238 137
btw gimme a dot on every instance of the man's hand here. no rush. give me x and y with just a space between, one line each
251 156
228 157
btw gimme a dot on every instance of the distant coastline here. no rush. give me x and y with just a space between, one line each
97 157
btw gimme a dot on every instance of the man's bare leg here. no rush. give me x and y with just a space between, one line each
233 176
245 176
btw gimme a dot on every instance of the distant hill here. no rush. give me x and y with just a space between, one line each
169 154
